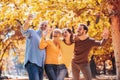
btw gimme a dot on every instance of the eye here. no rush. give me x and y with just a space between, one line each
45 25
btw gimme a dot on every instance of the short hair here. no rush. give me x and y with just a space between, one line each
59 30
43 23
85 27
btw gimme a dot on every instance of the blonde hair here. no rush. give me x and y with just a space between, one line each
59 30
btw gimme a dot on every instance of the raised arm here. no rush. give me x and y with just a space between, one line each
43 43
26 24
25 27
99 43
105 36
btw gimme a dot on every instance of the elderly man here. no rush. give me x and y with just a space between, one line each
34 57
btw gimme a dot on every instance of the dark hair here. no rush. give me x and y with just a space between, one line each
19 21
71 36
84 27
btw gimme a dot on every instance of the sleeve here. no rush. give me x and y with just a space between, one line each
99 43
26 33
43 44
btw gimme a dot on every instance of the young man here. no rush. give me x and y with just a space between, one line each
34 57
83 45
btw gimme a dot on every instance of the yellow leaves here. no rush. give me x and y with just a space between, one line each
6 55
1 16
1 44
4 9
57 12
99 1
19 2
63 1
34 7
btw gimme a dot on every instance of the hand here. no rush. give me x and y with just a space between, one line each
105 34
44 33
75 37
30 17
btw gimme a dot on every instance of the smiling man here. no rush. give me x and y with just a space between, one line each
83 45
34 57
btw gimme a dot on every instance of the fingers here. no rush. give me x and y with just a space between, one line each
30 17
44 33
105 34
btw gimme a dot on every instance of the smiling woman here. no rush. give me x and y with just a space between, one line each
52 62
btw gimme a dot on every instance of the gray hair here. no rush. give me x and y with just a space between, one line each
43 23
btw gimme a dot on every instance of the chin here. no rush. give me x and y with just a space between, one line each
65 36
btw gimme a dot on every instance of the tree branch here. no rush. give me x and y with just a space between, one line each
5 51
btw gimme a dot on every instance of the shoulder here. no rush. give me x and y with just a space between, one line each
37 30
75 37
48 40
91 39
30 30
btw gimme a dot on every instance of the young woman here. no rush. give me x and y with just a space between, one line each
52 62
67 48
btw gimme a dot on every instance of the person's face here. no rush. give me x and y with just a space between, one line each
66 34
80 31
44 27
56 34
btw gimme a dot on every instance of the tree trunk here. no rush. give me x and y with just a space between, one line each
114 11
115 28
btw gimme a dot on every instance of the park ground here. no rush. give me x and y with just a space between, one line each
98 77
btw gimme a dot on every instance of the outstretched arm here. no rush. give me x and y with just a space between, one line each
43 43
105 36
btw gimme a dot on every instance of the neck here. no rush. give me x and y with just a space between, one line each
55 39
83 37
67 41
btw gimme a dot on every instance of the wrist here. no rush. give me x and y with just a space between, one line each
28 20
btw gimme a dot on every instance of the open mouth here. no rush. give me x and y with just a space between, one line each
54 36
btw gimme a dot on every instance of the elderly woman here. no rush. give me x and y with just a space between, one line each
53 63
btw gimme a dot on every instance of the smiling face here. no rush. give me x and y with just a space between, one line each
43 25
81 31
56 33
66 33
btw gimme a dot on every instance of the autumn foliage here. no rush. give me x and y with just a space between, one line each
61 13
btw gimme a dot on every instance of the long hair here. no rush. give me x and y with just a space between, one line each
71 35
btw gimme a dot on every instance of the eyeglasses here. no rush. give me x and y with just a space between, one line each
44 25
